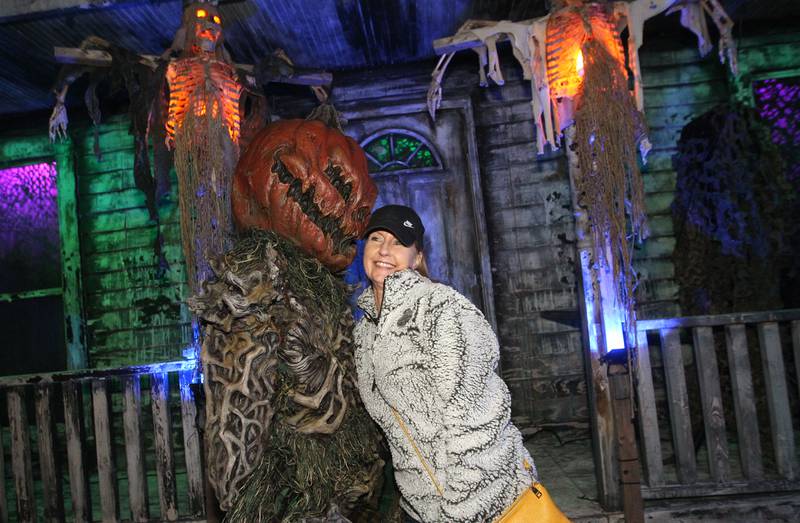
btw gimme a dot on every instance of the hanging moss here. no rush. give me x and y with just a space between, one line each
730 213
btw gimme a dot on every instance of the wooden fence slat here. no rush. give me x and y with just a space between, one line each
134 457
78 484
106 473
51 478
165 463
21 454
743 402
680 419
711 400
191 445
648 418
3 498
796 348
780 416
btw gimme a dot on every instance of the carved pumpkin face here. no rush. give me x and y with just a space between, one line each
309 183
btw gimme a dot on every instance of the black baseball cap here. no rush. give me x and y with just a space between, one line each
399 220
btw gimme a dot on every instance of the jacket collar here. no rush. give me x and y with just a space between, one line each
395 289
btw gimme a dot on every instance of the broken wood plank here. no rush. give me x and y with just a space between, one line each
744 402
51 478
106 475
134 457
165 461
78 484
648 417
780 416
719 319
191 445
711 400
710 490
100 58
21 454
680 419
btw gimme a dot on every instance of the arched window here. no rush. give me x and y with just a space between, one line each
399 150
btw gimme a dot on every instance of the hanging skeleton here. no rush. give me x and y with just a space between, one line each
574 60
533 46
203 128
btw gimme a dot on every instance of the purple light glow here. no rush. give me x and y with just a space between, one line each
778 103
29 237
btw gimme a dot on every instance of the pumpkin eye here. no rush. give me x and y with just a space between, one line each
201 13
217 20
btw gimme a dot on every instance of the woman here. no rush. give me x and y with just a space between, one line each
425 358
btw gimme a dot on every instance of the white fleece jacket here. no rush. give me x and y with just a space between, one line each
430 354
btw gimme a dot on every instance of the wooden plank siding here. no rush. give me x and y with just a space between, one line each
675 93
531 237
133 308
679 86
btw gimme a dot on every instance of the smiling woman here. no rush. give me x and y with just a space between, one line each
426 360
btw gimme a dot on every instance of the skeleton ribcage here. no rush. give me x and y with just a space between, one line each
201 85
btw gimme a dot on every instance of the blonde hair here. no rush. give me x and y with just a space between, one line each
422 266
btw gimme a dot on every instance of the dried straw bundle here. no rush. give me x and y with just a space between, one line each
608 127
205 158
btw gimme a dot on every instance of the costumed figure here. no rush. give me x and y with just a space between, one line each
286 435
203 128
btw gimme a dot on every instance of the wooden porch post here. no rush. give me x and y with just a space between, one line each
601 408
74 323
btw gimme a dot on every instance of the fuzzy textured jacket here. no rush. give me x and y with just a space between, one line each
430 354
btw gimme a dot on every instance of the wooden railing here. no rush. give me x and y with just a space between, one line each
712 420
93 430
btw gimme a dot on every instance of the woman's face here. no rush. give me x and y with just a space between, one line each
384 255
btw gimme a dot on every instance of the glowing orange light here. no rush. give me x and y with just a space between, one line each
566 34
187 82
217 20
201 13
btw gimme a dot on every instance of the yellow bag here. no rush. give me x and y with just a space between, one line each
533 506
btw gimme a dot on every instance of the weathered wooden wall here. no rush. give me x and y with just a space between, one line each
134 314
531 227
680 86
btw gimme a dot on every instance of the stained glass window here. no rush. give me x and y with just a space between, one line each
399 150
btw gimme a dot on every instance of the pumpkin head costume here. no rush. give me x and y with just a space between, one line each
287 437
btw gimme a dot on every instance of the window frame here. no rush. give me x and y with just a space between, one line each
17 151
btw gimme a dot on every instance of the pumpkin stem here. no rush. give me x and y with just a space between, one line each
327 114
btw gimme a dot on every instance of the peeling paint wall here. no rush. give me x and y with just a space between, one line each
133 310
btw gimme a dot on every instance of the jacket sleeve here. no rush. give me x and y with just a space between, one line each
475 455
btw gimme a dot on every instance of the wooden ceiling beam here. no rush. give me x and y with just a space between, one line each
100 58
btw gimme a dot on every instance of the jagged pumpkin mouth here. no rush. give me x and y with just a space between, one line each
331 225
